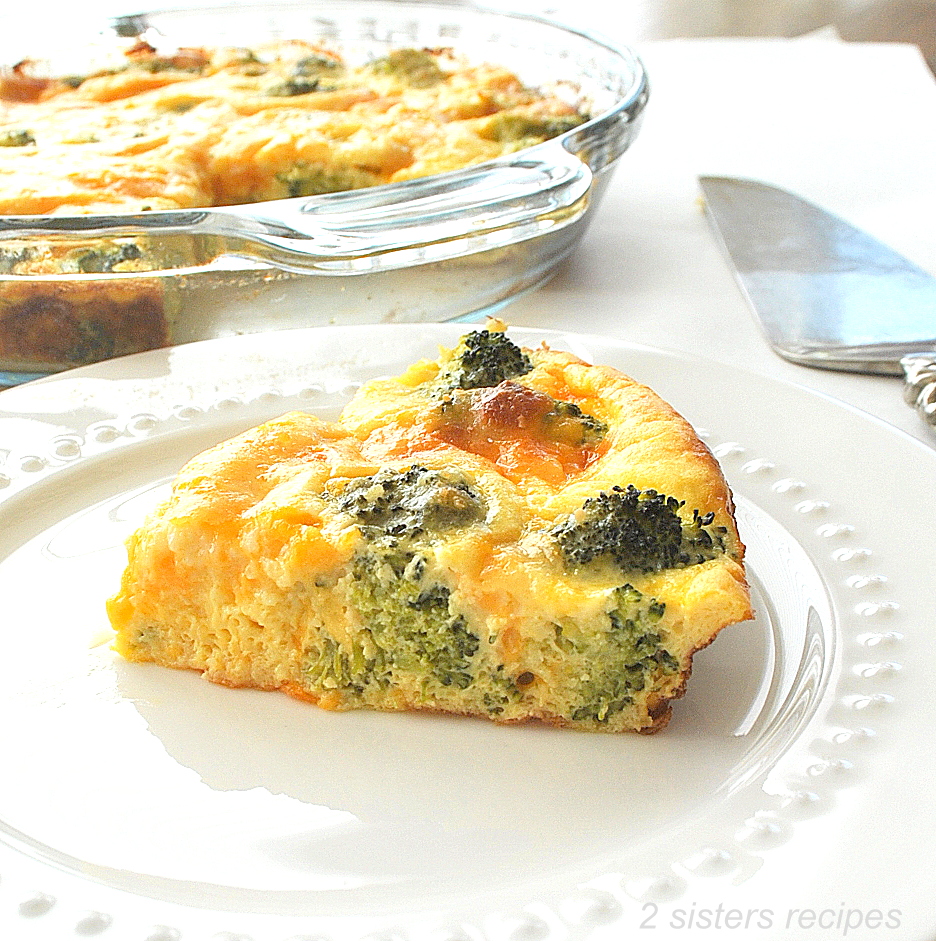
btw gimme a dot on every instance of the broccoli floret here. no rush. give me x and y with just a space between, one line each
624 660
637 531
306 76
10 258
525 129
502 690
566 421
416 67
478 384
317 65
409 503
330 666
305 179
409 628
16 137
101 260
408 617
482 359
405 609
290 87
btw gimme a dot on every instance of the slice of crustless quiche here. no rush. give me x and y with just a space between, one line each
503 532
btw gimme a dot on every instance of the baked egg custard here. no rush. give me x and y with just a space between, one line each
226 126
502 532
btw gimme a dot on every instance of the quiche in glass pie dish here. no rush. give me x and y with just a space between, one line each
191 174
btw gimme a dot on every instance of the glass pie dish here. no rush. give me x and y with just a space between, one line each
457 244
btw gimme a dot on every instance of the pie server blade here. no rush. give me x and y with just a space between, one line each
827 294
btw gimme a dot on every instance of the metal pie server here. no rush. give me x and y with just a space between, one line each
826 293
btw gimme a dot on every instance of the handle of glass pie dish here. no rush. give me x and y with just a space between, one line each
422 220
429 219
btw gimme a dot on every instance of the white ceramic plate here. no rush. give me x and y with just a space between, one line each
790 797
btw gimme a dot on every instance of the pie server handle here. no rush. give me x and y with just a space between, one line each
920 388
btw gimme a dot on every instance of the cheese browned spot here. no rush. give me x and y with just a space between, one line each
522 431
554 546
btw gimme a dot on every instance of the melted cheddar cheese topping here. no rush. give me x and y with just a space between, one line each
207 127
